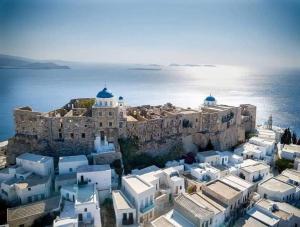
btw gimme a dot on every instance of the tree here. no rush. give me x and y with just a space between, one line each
191 189
286 137
298 143
294 138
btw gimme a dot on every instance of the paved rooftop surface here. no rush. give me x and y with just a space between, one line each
34 157
255 168
274 184
237 182
31 209
292 174
207 153
74 158
192 206
92 168
291 148
137 184
121 201
223 189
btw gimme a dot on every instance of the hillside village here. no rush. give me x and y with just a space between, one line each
85 165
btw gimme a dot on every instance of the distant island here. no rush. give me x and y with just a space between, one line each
142 68
192 65
14 62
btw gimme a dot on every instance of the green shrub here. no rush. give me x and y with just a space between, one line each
282 164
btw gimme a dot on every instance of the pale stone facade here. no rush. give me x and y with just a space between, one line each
72 130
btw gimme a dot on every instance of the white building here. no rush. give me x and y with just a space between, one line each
251 151
39 164
69 164
291 176
267 144
270 213
164 180
277 189
87 205
100 175
141 194
290 152
254 171
125 213
30 189
191 211
229 190
205 172
211 157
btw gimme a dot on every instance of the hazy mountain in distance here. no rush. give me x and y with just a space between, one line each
15 62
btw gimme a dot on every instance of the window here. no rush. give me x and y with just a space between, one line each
100 124
60 135
105 103
120 124
110 113
29 199
72 135
83 135
85 209
70 170
29 189
110 103
100 113
110 124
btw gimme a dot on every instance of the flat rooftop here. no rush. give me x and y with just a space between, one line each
207 153
255 168
199 199
173 218
86 194
32 180
262 217
237 182
63 177
75 158
248 221
292 174
223 189
121 202
92 168
291 148
35 157
274 184
27 211
162 221
192 206
137 184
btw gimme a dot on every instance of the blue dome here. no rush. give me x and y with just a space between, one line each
210 99
120 98
105 94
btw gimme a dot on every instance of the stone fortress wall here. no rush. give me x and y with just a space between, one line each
73 128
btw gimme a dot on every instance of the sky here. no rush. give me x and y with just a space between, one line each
239 32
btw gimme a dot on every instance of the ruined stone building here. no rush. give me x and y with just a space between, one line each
84 125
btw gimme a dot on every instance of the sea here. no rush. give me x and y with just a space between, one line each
275 93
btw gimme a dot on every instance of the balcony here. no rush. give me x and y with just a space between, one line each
147 208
